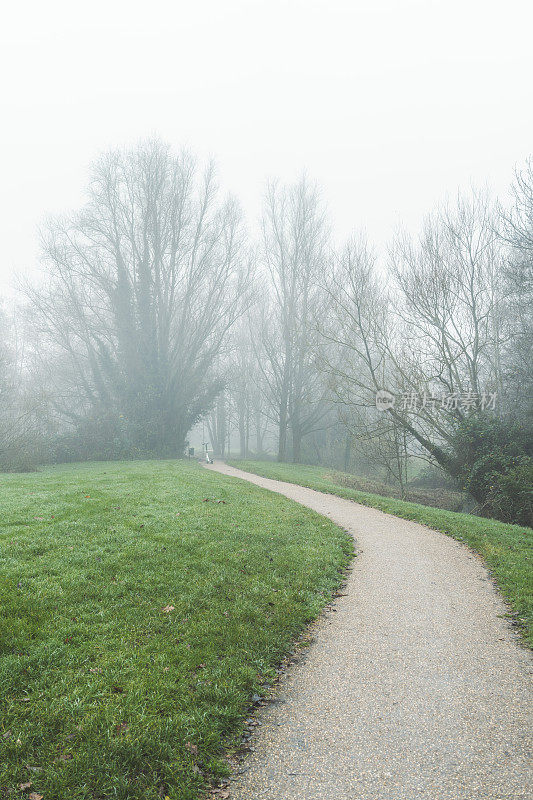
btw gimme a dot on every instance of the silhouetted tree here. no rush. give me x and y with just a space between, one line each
142 286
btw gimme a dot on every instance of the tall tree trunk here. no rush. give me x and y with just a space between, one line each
242 438
258 431
283 418
347 452
221 426
297 448
242 428
282 438
296 439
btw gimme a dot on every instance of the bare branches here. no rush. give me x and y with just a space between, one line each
431 330
143 285
295 250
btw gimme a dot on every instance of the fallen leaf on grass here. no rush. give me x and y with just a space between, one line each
122 727
94 669
168 609
192 748
35 796
24 786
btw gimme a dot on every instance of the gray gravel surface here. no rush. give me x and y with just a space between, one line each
416 687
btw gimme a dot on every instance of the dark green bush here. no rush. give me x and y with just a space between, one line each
103 438
494 464
434 477
510 496
17 459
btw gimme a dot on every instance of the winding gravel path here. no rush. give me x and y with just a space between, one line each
416 688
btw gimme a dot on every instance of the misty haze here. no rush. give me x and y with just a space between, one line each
266 380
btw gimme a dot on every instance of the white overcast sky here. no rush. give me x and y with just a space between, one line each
390 104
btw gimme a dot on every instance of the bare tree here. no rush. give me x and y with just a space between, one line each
20 403
142 287
517 233
447 292
294 253
429 337
358 356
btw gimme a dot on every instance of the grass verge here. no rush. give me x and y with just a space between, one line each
142 604
506 549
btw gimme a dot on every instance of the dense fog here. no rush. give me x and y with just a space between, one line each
158 322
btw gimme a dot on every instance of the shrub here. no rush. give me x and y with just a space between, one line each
17 459
494 462
434 477
510 496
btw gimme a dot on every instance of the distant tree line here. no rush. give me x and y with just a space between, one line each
155 309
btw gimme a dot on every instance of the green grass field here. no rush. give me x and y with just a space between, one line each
142 604
506 549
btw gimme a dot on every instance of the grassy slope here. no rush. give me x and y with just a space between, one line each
102 690
507 549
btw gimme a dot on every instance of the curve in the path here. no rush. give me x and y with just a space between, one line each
415 689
